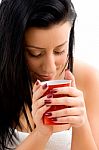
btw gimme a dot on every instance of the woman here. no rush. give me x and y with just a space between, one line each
36 44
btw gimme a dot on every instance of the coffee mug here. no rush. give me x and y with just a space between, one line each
52 84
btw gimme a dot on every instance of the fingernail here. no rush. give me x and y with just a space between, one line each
47 101
49 95
53 91
44 86
37 82
54 119
48 114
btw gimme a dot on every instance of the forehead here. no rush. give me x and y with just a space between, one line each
53 35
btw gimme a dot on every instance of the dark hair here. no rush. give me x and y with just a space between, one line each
15 83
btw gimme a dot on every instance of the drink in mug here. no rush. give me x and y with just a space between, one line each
51 85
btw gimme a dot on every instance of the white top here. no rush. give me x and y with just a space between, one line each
58 141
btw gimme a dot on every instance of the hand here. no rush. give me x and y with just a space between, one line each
39 107
75 111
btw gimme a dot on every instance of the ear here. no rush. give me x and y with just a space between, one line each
69 76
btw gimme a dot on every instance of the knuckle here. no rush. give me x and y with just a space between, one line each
37 104
81 93
67 111
81 111
82 103
68 101
69 119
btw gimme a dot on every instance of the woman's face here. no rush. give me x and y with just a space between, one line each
46 51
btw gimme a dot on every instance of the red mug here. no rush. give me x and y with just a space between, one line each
51 85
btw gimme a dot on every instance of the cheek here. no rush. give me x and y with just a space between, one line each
61 60
32 65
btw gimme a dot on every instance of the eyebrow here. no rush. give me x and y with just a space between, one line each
32 46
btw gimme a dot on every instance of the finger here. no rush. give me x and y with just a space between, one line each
67 101
69 91
69 119
72 111
40 112
39 92
69 76
42 101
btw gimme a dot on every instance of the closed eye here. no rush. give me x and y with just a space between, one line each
59 53
34 55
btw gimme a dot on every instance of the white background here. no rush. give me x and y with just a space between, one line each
87 31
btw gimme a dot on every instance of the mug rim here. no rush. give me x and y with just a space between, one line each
56 82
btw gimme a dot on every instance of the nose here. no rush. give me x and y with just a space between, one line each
49 64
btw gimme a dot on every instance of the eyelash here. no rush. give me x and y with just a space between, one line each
57 53
30 54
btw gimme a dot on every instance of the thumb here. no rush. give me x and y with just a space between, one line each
69 76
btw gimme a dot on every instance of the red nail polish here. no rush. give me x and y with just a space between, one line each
53 91
37 82
44 86
49 95
47 101
48 114
54 119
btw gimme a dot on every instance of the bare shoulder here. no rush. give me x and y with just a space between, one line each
87 80
86 76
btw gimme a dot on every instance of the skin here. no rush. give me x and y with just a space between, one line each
46 63
48 60
87 80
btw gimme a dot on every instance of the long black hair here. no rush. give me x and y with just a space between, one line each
15 83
